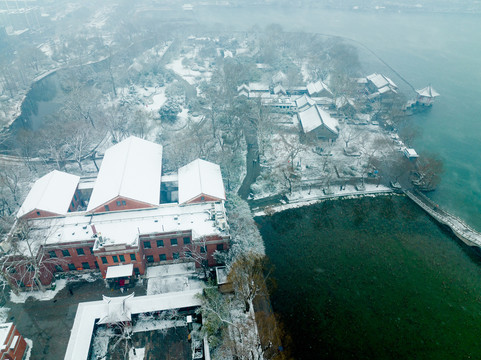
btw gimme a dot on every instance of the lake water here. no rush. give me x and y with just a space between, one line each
373 278
425 48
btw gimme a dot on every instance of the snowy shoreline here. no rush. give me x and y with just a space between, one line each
316 198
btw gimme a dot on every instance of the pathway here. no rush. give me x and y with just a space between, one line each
463 231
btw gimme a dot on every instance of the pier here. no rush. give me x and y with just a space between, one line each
463 231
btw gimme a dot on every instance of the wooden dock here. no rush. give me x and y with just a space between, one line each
463 231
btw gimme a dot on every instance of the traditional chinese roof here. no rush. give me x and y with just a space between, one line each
314 117
428 91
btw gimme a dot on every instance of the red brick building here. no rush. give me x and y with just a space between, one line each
12 344
125 222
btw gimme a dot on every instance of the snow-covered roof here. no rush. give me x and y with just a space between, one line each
381 81
200 177
132 169
255 86
81 334
279 77
52 192
4 330
310 119
428 91
279 89
317 87
118 310
118 271
124 227
304 101
410 153
343 101
314 117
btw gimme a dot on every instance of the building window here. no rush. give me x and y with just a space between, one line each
52 254
203 249
132 257
91 250
85 265
30 267
186 240
136 271
58 268
106 208
162 257
122 258
71 266
115 259
220 247
147 245
160 243
96 265
104 260
65 253
173 242
202 198
38 213
175 256
118 203
80 251
188 254
150 258
124 203
72 205
75 197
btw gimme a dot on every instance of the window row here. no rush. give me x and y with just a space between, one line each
117 258
162 257
160 243
85 266
66 253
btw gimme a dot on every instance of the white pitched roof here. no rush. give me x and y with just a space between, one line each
132 169
314 117
304 101
428 91
317 87
118 310
52 192
200 177
381 81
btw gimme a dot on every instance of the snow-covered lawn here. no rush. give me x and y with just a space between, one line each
285 156
48 295
139 354
191 75
172 278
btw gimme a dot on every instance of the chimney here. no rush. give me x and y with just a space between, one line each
94 230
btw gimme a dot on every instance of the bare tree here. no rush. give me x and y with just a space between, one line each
196 251
28 260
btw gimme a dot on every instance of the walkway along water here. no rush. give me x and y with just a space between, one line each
458 227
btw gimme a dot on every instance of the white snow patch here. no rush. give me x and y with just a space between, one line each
4 314
29 349
139 354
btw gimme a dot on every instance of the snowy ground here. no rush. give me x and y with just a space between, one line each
4 314
320 162
172 278
50 294
29 349
194 73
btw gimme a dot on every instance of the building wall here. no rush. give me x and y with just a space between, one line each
34 214
117 204
203 198
18 351
77 255
111 256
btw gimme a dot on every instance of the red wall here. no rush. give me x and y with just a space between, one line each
198 199
129 205
33 214
20 347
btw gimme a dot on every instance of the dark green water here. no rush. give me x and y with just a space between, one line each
373 278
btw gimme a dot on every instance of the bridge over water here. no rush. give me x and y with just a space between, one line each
458 226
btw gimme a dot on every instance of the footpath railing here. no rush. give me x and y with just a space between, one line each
458 226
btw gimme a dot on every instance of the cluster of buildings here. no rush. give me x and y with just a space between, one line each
127 218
